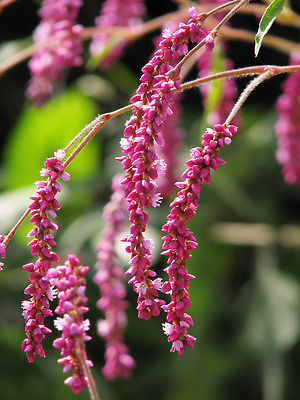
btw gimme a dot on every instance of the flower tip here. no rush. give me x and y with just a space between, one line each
193 12
209 43
60 154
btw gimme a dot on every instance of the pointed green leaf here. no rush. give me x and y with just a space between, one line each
271 13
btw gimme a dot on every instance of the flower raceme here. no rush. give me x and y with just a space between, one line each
61 47
178 240
112 290
154 100
69 280
43 206
122 13
288 126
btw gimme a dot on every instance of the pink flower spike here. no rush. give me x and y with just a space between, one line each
152 104
43 204
63 50
124 13
70 283
179 240
109 278
287 127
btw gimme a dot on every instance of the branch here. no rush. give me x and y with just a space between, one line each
5 3
241 234
241 72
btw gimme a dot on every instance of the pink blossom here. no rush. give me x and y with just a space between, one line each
44 204
109 278
179 241
116 13
287 127
60 41
69 279
154 100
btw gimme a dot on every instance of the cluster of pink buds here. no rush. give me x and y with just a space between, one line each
59 40
115 13
69 279
179 240
43 206
109 278
154 100
288 126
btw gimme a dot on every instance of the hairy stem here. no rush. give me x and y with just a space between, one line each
249 89
88 376
240 72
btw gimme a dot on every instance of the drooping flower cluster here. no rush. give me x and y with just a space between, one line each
154 100
288 126
59 40
179 240
112 290
43 206
69 279
115 13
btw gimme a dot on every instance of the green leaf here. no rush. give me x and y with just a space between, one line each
271 13
41 131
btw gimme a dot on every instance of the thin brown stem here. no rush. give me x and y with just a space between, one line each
87 373
287 17
241 72
17 58
286 46
82 133
5 3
